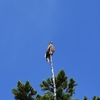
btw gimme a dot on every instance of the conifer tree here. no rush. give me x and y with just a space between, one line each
64 89
85 98
96 98
24 91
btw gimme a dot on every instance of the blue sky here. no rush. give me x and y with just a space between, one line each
27 26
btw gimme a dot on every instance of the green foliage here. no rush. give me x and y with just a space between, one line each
24 91
85 98
64 89
71 86
96 98
47 96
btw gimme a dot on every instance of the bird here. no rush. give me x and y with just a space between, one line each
49 52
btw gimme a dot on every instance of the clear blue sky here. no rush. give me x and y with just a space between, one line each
27 26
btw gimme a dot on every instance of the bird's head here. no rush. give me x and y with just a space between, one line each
50 42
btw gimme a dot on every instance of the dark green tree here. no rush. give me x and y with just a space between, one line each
85 98
96 98
64 89
24 91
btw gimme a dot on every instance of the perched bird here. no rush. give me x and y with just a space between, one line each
49 52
